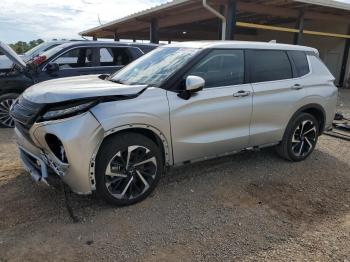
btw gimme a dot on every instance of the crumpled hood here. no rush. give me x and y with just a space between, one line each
70 88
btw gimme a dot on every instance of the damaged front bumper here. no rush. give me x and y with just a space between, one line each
79 136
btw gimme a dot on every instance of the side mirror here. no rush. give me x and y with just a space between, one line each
52 67
193 85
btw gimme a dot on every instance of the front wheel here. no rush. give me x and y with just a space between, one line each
6 102
128 168
300 138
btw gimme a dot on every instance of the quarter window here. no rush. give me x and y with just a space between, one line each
114 56
300 62
221 68
78 57
269 65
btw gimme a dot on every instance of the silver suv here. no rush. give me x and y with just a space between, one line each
178 104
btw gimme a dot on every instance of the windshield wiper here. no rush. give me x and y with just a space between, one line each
115 81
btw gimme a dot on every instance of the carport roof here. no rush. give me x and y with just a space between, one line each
180 16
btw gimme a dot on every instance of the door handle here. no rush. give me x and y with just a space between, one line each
241 93
297 87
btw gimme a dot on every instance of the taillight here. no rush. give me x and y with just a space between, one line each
39 60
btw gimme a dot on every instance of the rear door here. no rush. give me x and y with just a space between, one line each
277 94
215 120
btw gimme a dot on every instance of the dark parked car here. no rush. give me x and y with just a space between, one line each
70 59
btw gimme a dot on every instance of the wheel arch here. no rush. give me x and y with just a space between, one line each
316 110
149 131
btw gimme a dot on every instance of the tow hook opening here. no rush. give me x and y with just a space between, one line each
56 147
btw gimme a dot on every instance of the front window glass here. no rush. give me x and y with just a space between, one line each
221 68
155 67
79 57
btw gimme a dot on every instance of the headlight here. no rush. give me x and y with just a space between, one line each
67 110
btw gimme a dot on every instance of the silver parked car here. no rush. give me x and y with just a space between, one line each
178 104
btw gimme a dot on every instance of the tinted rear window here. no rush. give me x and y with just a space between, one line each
269 65
300 62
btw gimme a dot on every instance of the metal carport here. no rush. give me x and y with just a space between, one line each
290 21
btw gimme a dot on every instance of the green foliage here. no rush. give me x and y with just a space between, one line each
21 47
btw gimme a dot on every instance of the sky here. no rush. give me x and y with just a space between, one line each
25 20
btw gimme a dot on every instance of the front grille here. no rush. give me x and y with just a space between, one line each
25 112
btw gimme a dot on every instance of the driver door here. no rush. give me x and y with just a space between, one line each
74 62
216 120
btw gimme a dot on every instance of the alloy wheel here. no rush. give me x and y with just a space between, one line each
304 138
5 118
131 172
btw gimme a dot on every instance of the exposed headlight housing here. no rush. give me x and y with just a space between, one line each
68 110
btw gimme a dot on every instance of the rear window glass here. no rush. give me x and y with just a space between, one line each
300 62
269 65
118 56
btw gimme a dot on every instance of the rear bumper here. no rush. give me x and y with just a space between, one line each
80 136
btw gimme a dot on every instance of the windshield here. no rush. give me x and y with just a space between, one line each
40 49
54 51
155 67
34 50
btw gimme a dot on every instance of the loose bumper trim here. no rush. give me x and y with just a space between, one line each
34 165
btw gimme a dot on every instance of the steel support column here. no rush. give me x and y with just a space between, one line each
154 38
231 19
345 61
298 37
116 38
222 11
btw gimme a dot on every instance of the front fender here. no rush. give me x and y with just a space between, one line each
150 110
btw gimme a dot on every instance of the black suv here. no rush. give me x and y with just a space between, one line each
70 59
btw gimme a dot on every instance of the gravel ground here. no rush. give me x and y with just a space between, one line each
250 206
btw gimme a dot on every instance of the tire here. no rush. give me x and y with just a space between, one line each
5 103
121 182
300 138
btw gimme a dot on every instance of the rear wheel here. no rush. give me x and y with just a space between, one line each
128 168
5 103
300 138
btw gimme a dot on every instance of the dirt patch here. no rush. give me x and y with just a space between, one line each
297 203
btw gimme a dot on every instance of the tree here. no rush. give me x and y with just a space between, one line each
21 47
